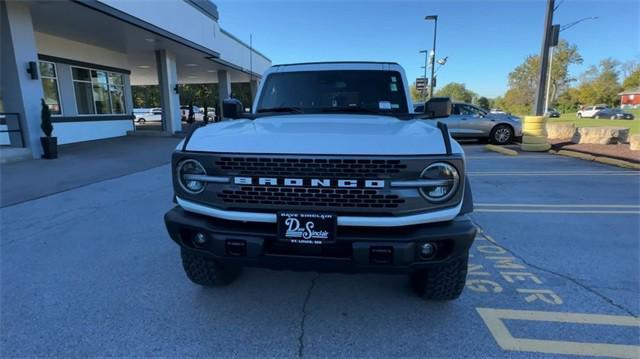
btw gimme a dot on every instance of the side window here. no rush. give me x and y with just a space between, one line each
456 109
49 78
470 111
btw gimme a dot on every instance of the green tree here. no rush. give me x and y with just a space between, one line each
632 81
568 101
146 96
483 102
456 91
600 84
523 80
416 95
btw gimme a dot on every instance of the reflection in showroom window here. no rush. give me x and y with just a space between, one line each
50 90
98 92
116 90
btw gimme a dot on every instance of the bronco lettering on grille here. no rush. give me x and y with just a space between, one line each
309 182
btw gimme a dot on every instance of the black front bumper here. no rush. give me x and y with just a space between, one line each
357 249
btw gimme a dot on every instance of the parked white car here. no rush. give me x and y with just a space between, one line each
590 111
151 115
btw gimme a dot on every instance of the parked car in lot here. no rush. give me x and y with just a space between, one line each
469 121
151 115
590 111
197 113
613 114
552 112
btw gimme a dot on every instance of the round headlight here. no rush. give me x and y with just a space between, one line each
446 181
188 173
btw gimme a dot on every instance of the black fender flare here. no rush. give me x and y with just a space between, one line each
467 198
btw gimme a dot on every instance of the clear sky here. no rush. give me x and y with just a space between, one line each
484 40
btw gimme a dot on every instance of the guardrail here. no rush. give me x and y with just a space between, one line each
10 124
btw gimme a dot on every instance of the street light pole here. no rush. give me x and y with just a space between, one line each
433 53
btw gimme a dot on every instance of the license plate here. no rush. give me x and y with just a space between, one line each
306 227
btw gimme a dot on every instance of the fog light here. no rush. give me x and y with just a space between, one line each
200 238
427 250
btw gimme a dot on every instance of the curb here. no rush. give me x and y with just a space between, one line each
599 159
501 150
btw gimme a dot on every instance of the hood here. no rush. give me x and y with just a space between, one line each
339 134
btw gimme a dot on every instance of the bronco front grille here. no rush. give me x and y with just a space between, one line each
311 197
310 167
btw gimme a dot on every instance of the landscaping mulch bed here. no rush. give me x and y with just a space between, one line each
619 151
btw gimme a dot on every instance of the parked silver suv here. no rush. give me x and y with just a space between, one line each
470 121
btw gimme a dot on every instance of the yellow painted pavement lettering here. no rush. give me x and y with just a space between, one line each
545 295
511 277
491 249
484 286
493 319
506 263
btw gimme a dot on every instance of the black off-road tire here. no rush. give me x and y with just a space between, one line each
206 271
445 282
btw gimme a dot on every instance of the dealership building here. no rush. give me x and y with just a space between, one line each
83 56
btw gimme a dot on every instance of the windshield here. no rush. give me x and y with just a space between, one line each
319 91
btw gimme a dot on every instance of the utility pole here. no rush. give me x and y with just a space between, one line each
544 59
424 88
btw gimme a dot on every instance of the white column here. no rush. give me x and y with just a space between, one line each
224 88
20 93
169 98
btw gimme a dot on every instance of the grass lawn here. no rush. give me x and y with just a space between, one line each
633 125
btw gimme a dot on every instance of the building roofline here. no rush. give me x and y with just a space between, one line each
630 92
206 7
244 44
135 21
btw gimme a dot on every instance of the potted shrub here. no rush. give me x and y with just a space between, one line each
49 143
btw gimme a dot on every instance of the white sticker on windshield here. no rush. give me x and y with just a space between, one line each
394 87
393 79
384 105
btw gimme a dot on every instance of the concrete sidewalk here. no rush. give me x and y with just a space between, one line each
80 164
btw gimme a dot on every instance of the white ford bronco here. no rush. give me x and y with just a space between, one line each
331 171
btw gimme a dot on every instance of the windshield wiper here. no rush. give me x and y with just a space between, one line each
348 109
281 109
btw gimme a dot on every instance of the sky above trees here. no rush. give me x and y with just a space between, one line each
484 40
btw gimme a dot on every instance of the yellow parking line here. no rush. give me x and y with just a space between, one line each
516 210
557 173
493 319
558 205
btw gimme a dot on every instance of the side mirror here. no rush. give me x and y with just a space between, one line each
438 107
232 108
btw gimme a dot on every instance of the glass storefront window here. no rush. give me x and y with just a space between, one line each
98 92
49 80
84 98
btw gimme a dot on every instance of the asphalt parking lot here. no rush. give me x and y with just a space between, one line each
555 271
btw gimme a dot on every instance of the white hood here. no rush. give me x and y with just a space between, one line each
337 134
